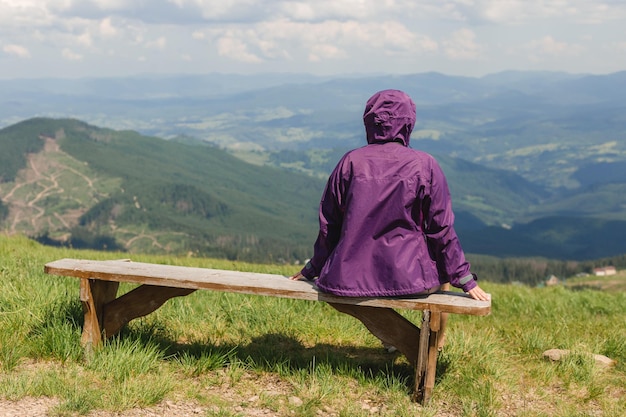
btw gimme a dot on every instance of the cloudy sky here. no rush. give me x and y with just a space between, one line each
87 38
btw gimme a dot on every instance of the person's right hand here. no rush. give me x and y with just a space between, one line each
297 277
478 293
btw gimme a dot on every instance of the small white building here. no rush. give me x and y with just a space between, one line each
604 271
552 281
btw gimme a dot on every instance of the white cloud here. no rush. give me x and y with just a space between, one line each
548 46
15 14
322 35
255 11
106 28
519 11
158 43
323 40
322 52
71 55
108 4
198 35
330 9
17 50
300 10
271 49
462 45
85 39
211 9
236 49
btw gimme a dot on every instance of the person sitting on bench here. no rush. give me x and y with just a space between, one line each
386 219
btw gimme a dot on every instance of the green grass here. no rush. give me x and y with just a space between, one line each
230 354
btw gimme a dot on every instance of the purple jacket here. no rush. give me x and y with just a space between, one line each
386 220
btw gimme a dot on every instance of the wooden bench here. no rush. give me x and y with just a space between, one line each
106 314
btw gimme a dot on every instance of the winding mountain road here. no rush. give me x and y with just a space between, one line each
38 181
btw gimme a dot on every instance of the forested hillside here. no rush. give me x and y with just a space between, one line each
71 183
121 190
17 142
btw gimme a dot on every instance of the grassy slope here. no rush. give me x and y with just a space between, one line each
235 354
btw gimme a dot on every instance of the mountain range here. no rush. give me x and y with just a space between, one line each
234 166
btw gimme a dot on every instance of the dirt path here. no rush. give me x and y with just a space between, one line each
42 407
42 175
38 181
31 407
151 238
45 176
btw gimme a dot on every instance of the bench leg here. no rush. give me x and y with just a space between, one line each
422 358
420 346
437 322
444 321
138 302
426 368
94 295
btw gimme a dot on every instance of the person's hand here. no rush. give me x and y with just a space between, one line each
297 277
478 293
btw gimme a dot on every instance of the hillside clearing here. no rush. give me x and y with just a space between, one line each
615 282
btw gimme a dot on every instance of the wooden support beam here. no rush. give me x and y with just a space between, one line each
388 325
139 302
421 367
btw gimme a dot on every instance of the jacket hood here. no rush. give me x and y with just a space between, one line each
389 117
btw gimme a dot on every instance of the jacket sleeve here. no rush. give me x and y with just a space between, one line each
331 211
443 242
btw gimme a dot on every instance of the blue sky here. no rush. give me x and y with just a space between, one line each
111 38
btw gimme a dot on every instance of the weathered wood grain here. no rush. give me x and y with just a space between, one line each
252 283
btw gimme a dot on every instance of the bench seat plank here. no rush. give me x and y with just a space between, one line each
252 283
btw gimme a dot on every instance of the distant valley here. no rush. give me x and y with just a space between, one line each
542 126
235 166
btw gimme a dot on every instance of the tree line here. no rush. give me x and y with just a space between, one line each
254 249
534 271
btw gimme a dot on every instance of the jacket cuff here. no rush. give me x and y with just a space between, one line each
308 271
468 282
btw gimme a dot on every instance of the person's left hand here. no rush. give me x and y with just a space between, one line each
478 293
